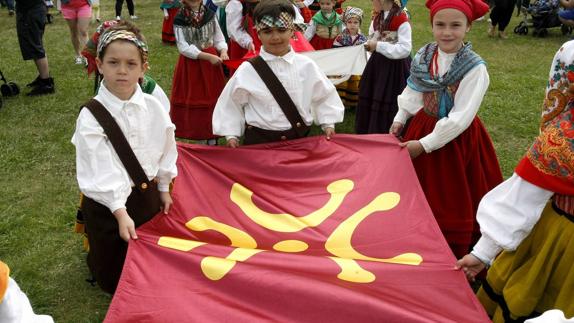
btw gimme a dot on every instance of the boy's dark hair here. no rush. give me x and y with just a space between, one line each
123 25
272 8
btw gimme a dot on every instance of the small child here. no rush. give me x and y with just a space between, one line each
530 217
325 26
451 150
124 186
198 77
247 108
351 36
170 9
239 21
387 70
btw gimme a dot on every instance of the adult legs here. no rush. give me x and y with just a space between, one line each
119 5
131 8
42 66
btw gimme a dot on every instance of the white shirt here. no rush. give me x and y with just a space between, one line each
149 131
234 20
467 100
190 50
246 98
402 48
507 214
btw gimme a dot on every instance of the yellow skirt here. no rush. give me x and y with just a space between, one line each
537 276
349 91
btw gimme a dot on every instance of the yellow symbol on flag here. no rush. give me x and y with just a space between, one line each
338 243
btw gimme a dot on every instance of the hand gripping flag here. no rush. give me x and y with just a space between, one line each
308 230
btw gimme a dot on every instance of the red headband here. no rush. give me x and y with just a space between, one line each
472 9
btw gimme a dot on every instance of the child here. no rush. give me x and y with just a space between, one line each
386 73
239 18
170 9
325 26
351 36
530 217
247 108
451 151
77 14
198 77
123 186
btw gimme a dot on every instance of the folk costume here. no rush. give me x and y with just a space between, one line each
349 90
115 173
378 91
247 103
196 83
170 9
459 164
530 217
323 29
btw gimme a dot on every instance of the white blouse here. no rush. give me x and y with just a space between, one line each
246 98
507 214
467 100
402 48
190 50
234 21
149 131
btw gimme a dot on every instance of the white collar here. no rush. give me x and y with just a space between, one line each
289 57
111 101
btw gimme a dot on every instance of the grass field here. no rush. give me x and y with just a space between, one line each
38 193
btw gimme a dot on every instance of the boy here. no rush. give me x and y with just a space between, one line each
246 106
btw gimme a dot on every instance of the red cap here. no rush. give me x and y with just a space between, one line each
472 9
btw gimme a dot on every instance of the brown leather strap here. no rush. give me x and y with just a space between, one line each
120 143
280 95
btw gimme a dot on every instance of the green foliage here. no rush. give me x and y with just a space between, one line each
39 193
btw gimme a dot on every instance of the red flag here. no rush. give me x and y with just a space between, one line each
308 230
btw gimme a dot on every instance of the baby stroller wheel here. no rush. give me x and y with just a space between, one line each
517 29
15 88
523 31
9 89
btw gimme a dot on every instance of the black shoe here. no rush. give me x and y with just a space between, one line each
35 82
45 86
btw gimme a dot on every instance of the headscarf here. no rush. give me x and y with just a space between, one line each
472 9
90 51
111 35
352 12
549 163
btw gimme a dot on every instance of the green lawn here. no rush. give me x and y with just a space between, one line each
38 195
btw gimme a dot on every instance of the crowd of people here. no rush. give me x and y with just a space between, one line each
520 229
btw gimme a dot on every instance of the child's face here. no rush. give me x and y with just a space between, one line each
377 5
327 5
353 25
122 68
449 28
276 40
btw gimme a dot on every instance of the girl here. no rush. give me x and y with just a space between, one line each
351 36
452 152
170 9
239 18
118 198
325 26
77 14
198 77
531 216
390 43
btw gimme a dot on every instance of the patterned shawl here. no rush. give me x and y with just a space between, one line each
422 81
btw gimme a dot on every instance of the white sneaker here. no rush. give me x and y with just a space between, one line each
118 18
134 17
79 60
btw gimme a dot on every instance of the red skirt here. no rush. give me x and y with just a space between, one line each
321 43
196 86
167 35
455 177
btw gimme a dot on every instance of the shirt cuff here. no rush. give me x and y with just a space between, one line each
430 142
116 205
381 47
163 187
486 250
402 117
327 125
230 137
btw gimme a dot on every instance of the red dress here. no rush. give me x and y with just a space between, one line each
455 177
196 87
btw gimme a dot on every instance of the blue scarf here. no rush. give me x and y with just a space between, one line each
421 80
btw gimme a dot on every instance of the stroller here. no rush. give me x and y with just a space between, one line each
543 15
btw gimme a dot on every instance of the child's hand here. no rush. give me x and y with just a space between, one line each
223 55
470 265
371 45
166 201
414 146
251 47
232 143
396 129
329 132
214 60
126 225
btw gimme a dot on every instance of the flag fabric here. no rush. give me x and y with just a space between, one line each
308 230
